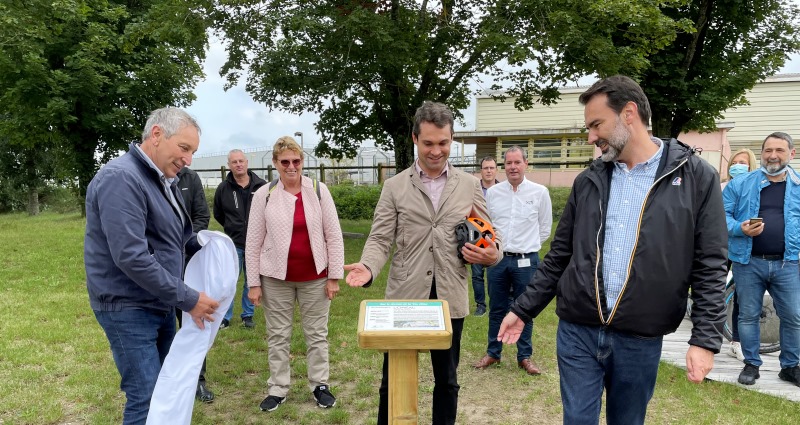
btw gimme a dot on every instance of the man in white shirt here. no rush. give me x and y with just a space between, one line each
522 214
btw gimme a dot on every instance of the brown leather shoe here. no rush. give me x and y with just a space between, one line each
485 362
529 366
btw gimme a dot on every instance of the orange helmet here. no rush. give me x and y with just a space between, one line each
475 231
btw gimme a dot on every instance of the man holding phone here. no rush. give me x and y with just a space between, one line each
762 211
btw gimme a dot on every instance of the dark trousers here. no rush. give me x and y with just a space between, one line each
478 284
140 340
594 358
445 378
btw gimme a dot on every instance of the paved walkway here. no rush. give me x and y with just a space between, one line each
727 368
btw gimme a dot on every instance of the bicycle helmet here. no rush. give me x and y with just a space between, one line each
473 230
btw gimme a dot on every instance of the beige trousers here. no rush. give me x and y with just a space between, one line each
279 298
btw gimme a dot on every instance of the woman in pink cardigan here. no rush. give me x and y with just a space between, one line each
294 252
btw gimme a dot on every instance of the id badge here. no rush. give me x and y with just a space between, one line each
524 262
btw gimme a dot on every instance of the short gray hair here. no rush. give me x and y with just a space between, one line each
779 135
170 120
516 148
233 151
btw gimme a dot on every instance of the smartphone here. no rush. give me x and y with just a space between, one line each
755 220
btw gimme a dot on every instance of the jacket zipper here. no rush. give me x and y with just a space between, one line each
597 264
636 242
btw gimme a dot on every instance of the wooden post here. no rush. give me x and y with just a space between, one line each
380 173
403 339
403 383
322 172
222 172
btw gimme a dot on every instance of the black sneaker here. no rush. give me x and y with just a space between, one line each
225 323
203 394
324 397
749 374
271 403
791 374
480 310
247 322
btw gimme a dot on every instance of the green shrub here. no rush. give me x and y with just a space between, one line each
355 202
558 197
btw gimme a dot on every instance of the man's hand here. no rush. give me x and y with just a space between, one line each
204 310
752 230
699 362
331 288
359 274
510 329
254 295
474 255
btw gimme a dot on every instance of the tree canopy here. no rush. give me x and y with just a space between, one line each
82 75
365 66
736 44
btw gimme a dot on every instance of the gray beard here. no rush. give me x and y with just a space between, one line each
775 167
616 143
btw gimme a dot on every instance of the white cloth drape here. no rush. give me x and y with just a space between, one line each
213 270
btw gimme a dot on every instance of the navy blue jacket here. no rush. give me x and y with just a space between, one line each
135 238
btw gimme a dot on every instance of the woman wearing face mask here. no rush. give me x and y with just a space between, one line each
743 161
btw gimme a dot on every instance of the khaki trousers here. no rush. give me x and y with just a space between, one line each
279 298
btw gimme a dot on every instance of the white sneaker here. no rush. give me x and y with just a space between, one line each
735 350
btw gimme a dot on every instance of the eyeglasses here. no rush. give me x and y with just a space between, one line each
295 162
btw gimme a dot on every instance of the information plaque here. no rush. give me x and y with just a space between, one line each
402 328
404 315
404 324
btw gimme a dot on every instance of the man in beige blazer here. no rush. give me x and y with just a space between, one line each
418 211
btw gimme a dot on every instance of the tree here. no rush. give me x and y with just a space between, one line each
735 45
365 66
82 75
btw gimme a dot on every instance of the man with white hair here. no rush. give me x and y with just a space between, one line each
136 231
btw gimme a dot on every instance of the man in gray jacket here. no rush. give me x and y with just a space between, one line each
136 231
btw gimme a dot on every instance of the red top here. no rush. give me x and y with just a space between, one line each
300 267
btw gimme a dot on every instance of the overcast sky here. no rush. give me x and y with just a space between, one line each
231 119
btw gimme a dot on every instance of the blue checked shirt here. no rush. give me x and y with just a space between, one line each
628 190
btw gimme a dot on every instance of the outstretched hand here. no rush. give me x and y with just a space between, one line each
510 329
358 274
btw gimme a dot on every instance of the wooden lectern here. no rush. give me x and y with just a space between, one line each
403 328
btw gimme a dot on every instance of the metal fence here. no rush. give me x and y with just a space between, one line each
377 174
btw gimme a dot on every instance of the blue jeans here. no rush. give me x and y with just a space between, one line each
507 279
477 284
247 306
782 278
140 340
591 358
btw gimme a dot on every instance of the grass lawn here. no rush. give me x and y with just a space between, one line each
56 366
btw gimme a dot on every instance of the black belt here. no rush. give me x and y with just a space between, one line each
769 257
517 254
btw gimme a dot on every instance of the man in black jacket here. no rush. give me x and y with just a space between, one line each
643 225
194 198
232 210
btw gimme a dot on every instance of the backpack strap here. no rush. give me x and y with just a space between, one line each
273 184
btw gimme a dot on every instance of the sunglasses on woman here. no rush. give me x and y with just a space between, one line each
295 162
